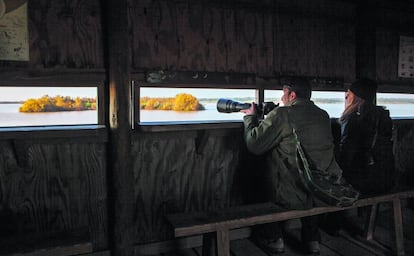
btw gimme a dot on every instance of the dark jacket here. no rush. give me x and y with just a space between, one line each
365 153
274 138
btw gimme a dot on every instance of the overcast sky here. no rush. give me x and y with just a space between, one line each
24 93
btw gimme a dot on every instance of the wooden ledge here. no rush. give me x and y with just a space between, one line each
92 133
187 125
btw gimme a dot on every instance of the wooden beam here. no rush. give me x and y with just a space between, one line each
121 178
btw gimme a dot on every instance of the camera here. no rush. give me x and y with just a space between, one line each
229 106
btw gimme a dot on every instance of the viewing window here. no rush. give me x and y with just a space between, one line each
185 105
46 106
331 101
157 104
400 105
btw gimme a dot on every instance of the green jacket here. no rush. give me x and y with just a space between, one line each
274 138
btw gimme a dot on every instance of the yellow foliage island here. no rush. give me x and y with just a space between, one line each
57 103
181 102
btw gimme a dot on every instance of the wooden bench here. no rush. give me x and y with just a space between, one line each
217 224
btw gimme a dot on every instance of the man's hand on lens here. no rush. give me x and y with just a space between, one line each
251 110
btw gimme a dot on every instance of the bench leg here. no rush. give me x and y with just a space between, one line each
399 236
216 244
369 235
223 243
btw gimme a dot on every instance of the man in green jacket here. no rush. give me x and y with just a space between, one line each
274 138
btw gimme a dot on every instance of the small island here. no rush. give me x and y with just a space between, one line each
181 102
57 103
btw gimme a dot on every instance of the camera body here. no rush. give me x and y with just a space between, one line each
229 106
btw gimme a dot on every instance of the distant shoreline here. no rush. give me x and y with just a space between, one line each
11 102
321 100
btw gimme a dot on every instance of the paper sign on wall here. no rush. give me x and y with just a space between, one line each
406 57
14 34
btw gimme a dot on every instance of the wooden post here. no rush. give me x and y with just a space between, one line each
216 243
121 178
370 227
223 242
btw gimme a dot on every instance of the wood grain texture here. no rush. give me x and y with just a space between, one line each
171 177
268 38
387 52
66 34
306 38
285 38
57 187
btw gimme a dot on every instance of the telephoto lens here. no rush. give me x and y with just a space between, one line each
229 106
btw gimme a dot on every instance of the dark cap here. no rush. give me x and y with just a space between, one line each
364 88
299 85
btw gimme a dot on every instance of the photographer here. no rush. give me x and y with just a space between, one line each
274 138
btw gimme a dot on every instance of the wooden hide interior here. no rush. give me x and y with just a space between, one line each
113 185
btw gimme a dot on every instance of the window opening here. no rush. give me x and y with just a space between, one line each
45 106
178 104
399 104
331 101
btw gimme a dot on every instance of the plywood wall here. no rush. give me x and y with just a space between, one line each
267 38
285 37
49 187
173 175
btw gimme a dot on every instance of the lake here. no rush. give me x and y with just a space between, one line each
10 115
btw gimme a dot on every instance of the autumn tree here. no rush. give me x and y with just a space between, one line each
185 102
57 103
152 104
182 102
31 105
78 104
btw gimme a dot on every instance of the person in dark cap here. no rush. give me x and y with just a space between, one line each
276 138
365 128
365 89
365 150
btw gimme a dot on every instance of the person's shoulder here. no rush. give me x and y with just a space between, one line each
279 112
379 111
318 109
382 109
383 113
282 109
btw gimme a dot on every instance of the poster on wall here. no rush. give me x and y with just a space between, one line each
406 57
14 33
